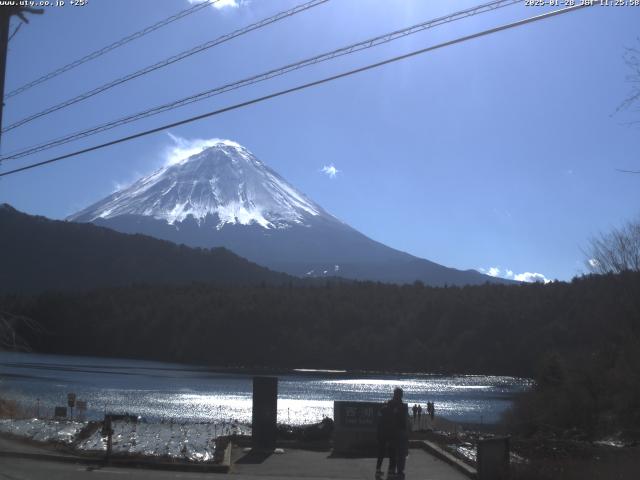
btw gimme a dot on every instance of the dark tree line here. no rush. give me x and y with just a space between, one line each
481 329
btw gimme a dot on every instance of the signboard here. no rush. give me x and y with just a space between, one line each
360 415
60 412
71 399
81 405
355 427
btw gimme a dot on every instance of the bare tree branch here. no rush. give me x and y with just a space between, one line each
616 251
632 59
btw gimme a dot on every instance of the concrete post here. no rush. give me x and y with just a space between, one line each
493 459
265 412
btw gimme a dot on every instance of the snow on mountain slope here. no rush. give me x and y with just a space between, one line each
224 180
220 194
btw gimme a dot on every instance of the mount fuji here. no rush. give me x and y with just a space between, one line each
225 196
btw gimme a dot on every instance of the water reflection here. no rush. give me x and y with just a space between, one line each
158 391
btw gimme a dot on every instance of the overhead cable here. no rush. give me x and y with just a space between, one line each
168 61
301 87
366 44
112 46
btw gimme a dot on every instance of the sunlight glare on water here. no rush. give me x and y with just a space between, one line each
186 393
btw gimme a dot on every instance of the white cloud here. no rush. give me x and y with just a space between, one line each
226 3
528 277
183 148
330 170
117 186
220 4
531 277
493 271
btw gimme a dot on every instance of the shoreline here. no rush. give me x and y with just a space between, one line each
278 370
184 393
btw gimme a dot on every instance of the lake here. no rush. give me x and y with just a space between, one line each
187 393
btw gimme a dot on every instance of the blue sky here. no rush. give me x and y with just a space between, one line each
497 153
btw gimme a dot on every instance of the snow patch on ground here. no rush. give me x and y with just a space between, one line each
194 442
43 430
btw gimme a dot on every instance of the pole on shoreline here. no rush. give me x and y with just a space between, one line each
107 429
265 413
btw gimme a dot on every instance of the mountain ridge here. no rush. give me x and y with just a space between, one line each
40 254
225 196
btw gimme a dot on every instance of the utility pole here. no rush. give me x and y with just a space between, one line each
5 18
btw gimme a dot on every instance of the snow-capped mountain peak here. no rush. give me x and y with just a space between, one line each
223 180
241 204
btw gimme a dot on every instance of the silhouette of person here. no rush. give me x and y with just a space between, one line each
385 432
400 415
415 412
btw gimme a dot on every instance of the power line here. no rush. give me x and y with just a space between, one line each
6 13
15 30
112 46
302 87
363 45
168 61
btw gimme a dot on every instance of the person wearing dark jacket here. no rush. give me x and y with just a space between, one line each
385 439
399 412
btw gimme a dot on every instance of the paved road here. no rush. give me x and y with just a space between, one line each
292 464
320 465
12 445
299 464
21 469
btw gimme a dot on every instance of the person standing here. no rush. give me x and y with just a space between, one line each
385 439
400 415
415 412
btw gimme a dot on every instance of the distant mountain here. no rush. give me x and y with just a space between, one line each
39 254
225 196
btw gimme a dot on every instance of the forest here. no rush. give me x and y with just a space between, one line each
493 329
579 340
